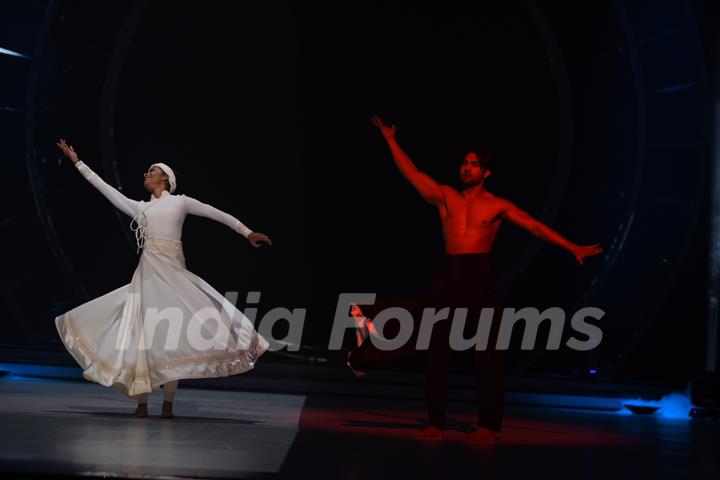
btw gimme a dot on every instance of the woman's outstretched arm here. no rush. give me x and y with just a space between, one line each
196 207
125 204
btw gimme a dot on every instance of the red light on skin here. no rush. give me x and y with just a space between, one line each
363 325
471 170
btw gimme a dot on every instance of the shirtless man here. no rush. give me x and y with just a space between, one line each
471 219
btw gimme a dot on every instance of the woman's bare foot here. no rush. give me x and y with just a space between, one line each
167 410
482 435
141 411
430 432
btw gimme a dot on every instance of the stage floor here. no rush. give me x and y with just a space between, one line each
68 428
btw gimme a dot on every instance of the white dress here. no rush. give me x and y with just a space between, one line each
167 323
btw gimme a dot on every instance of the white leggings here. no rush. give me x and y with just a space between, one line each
169 390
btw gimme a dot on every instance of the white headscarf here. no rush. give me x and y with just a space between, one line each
168 171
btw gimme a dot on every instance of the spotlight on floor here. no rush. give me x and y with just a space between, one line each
642 409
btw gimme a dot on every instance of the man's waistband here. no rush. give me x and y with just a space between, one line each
469 262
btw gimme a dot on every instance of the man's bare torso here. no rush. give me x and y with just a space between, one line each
470 222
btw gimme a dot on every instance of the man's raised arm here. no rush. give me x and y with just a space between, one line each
540 230
423 183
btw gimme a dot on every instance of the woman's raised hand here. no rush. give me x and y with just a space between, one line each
68 150
258 239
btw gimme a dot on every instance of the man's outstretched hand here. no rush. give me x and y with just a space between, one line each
258 239
68 150
388 132
582 251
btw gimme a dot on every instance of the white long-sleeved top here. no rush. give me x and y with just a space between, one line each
161 217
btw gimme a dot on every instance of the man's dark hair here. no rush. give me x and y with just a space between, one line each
486 156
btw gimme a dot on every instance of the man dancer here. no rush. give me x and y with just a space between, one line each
471 219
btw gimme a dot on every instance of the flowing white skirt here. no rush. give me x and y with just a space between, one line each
166 324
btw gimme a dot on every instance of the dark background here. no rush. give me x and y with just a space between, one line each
599 113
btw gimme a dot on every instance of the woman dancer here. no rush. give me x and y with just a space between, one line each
167 323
